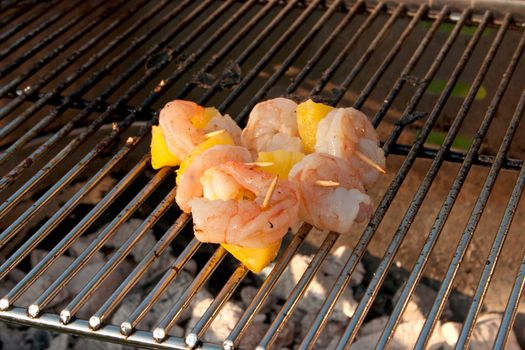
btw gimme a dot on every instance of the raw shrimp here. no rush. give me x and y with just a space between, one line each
232 213
272 126
188 182
177 121
333 208
343 132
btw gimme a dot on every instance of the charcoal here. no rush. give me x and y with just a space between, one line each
222 325
61 342
36 339
253 335
39 287
405 337
159 309
81 244
485 333
141 248
420 304
317 291
374 326
249 292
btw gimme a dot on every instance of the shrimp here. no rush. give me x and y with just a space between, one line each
188 184
343 132
333 208
231 212
179 121
272 126
224 122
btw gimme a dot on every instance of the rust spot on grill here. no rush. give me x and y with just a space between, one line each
411 118
205 80
28 162
231 75
413 80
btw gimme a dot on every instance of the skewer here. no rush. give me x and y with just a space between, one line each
327 183
214 133
269 194
369 161
260 164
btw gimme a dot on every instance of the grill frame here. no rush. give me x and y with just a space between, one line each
412 152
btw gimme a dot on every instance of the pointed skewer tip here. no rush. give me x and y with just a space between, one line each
327 183
260 164
214 133
370 162
269 193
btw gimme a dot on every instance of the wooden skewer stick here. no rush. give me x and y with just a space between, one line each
214 133
260 164
327 183
369 161
269 194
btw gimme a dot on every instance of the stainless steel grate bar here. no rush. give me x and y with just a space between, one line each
511 309
387 102
380 274
96 244
23 24
446 284
298 291
80 299
192 339
255 43
11 105
495 251
261 92
160 333
45 121
68 240
454 129
97 320
128 327
35 31
350 265
233 339
265 59
388 60
14 173
108 333
298 79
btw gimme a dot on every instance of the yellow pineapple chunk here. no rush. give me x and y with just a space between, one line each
160 154
309 114
282 161
201 119
255 259
219 139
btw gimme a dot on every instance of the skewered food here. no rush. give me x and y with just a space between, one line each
233 209
331 194
346 133
248 206
188 179
185 124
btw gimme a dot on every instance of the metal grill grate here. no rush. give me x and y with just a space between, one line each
80 84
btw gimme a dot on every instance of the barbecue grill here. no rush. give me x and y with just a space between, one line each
81 83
